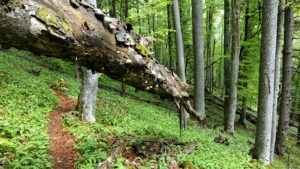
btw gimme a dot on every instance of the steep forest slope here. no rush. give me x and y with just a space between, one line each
140 129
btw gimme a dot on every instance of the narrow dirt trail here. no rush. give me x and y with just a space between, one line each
63 156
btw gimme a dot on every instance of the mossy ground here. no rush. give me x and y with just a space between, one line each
26 99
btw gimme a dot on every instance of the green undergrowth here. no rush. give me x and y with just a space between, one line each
127 117
89 142
25 102
24 105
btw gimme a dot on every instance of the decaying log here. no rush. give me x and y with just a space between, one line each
76 31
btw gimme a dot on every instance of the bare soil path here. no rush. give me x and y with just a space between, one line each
63 156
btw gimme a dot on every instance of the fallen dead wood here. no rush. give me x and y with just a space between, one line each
76 31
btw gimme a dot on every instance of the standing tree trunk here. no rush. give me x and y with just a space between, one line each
227 38
88 95
266 81
286 81
88 92
277 74
232 104
139 17
169 9
179 41
199 86
243 54
126 8
180 56
123 85
209 73
113 12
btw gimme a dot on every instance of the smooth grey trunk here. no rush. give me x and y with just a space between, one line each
284 113
139 17
243 54
179 41
209 72
113 12
277 75
88 92
169 10
148 20
227 38
126 8
179 50
232 103
213 65
266 81
88 95
199 86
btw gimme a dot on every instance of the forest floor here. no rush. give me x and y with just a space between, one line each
62 150
137 130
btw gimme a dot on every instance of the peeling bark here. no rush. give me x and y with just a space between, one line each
78 32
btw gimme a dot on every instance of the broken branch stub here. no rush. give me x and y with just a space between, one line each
76 31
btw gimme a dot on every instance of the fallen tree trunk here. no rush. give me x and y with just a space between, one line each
76 31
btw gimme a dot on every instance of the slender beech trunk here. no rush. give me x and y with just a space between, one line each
113 12
180 55
244 52
284 113
88 93
154 36
266 81
209 18
213 84
232 104
148 20
169 9
199 88
139 17
179 41
277 74
227 38
123 85
126 8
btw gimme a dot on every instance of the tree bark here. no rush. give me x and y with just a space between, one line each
227 38
179 41
243 53
169 10
209 72
266 81
126 8
199 86
232 103
277 75
82 34
180 53
113 12
88 93
284 113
